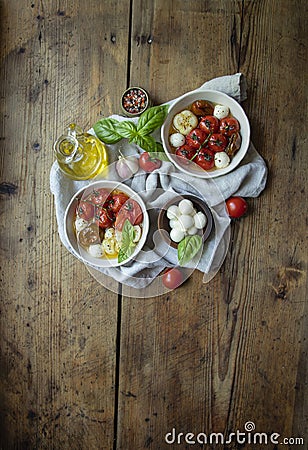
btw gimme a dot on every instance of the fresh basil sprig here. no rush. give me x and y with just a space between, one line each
188 248
112 131
127 245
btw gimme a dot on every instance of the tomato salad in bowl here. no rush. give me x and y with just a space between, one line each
206 133
106 223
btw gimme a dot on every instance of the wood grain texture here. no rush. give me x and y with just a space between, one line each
212 357
58 325
82 368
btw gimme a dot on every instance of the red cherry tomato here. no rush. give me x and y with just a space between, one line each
236 207
98 196
205 159
185 152
209 124
195 138
229 126
148 163
105 218
172 278
85 210
218 142
132 211
116 202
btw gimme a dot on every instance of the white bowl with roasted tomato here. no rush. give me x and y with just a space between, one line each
206 133
106 224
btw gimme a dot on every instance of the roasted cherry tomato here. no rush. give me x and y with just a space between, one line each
205 159
202 107
229 125
106 218
209 124
172 278
195 138
98 196
185 153
218 142
132 211
236 207
89 235
148 163
85 210
116 202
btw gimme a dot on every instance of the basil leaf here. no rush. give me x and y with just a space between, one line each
146 142
159 155
127 129
188 248
127 245
105 130
151 119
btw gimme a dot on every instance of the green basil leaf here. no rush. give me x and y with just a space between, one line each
159 155
105 130
188 248
127 245
127 129
151 119
146 142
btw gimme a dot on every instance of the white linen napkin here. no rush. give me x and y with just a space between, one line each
156 188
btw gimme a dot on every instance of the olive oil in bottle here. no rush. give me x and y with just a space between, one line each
80 155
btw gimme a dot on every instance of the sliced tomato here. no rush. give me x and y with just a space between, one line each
85 210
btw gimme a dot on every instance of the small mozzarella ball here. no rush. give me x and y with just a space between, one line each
96 250
173 212
109 233
118 237
221 111
200 220
80 224
177 139
192 231
174 223
177 235
137 237
186 207
186 221
222 160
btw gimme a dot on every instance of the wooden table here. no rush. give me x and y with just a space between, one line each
84 368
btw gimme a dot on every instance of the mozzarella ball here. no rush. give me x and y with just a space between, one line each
200 220
192 231
186 207
176 235
221 111
222 160
186 221
80 224
177 139
96 250
137 237
173 212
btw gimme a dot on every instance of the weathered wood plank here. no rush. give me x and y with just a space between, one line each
58 325
212 357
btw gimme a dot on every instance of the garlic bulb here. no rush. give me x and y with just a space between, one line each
127 166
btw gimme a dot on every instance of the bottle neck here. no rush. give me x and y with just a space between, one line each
66 148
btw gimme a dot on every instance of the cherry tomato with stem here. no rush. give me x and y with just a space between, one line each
105 218
236 207
229 126
209 124
195 138
218 142
205 159
149 163
172 278
132 211
116 202
185 152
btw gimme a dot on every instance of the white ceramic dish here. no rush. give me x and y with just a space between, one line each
216 97
69 218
